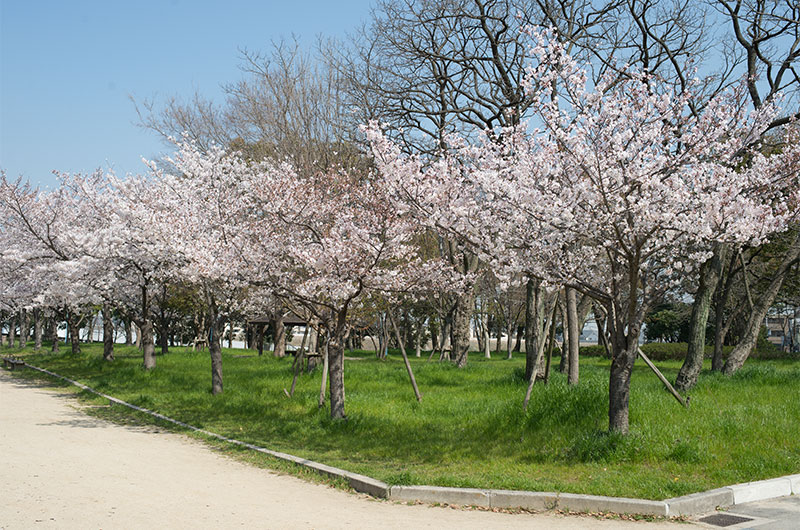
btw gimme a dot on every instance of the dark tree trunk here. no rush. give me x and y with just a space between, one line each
73 322
128 333
163 340
108 333
54 337
37 329
574 336
509 331
461 317
260 338
215 350
709 277
518 342
761 306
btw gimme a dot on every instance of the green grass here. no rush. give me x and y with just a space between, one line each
470 429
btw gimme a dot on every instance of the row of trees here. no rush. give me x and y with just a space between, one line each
631 179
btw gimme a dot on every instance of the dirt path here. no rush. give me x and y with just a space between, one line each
62 469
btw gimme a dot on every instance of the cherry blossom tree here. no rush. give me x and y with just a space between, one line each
619 192
321 242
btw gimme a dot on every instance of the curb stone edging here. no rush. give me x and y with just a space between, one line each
692 504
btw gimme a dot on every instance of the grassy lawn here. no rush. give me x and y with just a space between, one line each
470 429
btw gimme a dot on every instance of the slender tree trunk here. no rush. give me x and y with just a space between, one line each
37 329
461 317
418 342
108 333
24 328
73 322
574 336
709 277
509 331
215 349
761 306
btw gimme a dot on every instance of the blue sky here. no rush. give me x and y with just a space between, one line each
68 69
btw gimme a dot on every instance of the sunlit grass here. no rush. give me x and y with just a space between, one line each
470 429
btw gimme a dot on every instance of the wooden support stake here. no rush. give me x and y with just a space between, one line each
405 357
324 377
684 402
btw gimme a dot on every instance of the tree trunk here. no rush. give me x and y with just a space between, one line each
108 333
260 338
518 343
709 277
146 342
487 351
624 350
761 306
278 336
73 322
574 336
534 327
461 317
12 332
37 329
128 333
55 346
418 341
509 331
563 363
336 366
215 349
24 328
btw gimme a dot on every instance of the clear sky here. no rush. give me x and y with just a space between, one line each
69 68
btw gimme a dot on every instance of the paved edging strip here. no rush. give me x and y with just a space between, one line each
693 504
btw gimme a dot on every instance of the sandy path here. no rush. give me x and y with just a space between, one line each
62 469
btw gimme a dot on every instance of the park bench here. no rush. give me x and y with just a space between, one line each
12 363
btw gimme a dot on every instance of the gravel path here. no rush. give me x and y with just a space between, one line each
60 468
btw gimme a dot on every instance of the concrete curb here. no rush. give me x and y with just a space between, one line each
694 504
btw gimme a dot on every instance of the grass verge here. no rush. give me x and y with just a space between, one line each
470 430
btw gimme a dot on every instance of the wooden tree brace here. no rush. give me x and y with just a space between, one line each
684 402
